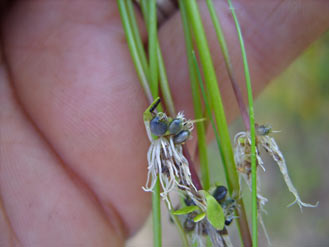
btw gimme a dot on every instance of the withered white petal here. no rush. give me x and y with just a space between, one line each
270 145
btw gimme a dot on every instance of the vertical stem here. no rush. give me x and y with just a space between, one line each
212 86
244 224
133 49
156 215
164 85
200 127
228 64
153 68
144 7
137 37
252 129
152 46
150 17
211 82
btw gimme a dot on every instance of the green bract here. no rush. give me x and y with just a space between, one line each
199 217
147 116
214 212
185 210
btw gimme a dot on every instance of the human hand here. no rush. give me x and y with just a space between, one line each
72 141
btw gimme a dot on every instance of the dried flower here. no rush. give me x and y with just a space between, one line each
242 155
165 156
166 159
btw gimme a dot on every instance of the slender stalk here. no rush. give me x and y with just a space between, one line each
137 36
207 106
200 127
152 46
211 82
239 200
156 215
164 85
252 128
153 68
228 63
133 49
216 102
144 4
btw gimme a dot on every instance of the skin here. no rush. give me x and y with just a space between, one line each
72 141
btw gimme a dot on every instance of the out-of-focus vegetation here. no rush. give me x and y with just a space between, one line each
297 104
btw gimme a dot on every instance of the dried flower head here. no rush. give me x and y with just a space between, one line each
165 155
242 156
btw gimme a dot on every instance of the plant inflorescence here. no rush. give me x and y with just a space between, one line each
205 210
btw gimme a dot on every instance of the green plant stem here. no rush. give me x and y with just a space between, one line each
164 85
216 103
156 215
239 201
137 37
153 46
133 50
153 68
211 81
207 105
228 63
144 4
252 129
200 127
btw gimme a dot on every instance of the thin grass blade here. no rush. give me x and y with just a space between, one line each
252 128
198 113
216 103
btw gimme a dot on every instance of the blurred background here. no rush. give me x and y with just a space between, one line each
297 104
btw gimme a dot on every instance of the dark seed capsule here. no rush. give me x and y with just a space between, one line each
175 126
228 221
220 193
158 126
181 137
263 130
